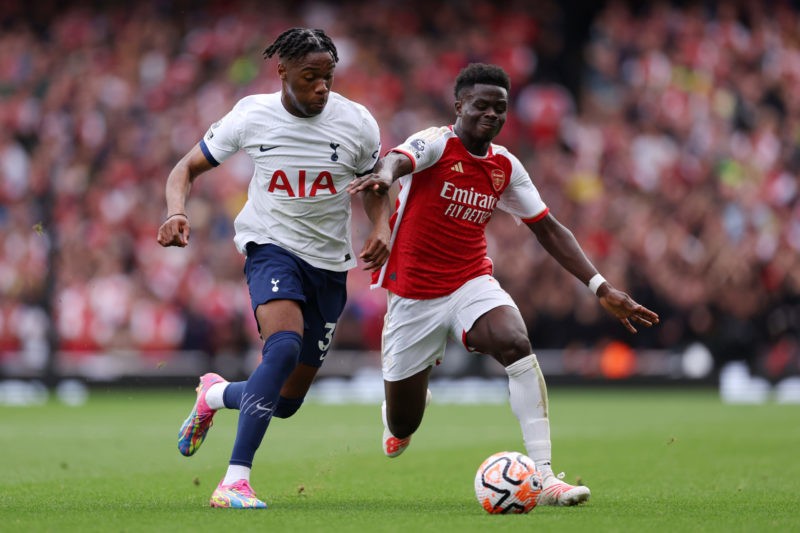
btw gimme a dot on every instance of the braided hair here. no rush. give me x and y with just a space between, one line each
297 42
476 73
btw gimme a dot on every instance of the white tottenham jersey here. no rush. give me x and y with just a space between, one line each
297 197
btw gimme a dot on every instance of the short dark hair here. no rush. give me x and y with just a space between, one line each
297 42
475 73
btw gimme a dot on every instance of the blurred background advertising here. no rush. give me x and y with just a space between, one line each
666 135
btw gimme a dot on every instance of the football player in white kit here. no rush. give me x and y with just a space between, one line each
439 279
307 143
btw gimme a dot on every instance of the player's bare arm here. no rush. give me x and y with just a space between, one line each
561 244
390 167
174 231
376 247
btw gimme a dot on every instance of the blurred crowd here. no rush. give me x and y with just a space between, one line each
667 138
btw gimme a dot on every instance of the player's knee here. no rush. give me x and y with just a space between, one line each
282 350
513 349
287 407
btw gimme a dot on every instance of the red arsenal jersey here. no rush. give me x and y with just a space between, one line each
438 239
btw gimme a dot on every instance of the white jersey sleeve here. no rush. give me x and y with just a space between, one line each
370 142
425 147
521 198
224 137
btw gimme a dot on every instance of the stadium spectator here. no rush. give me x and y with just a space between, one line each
705 89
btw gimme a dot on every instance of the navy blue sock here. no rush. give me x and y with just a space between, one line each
232 398
261 392
232 395
287 407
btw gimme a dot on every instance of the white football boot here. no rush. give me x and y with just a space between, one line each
392 446
556 492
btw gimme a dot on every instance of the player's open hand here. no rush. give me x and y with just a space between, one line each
377 183
622 306
174 231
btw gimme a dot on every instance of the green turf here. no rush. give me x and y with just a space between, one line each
655 461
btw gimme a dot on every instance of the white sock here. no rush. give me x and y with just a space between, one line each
235 473
214 395
545 470
528 398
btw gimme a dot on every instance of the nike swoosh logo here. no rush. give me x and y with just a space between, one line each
262 408
266 149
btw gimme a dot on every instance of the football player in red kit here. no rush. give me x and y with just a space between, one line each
439 278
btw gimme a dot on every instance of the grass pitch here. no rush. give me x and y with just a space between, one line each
655 461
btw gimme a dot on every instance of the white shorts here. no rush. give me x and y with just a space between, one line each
415 332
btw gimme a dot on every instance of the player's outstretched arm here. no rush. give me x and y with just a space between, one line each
175 229
376 247
386 171
562 245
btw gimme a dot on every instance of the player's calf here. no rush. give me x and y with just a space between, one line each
393 446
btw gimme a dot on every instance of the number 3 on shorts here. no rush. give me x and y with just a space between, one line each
325 343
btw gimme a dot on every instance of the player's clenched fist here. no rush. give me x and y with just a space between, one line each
174 231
